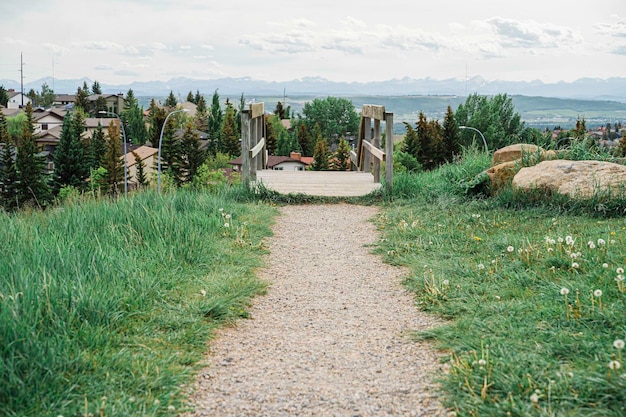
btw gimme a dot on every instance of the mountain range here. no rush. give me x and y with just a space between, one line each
611 89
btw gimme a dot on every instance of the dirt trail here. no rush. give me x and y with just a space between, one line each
332 335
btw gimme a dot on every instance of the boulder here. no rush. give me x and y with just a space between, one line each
516 151
576 179
501 174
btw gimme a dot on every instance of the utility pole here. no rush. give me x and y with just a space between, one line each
22 77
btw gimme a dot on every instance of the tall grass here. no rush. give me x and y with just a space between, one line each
532 288
108 306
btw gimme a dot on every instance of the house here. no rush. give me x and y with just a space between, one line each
148 155
64 100
44 120
114 102
294 162
16 99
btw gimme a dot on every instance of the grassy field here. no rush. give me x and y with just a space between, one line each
106 308
532 290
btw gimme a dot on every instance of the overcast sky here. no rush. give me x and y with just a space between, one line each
121 41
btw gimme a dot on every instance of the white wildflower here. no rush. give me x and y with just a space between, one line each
601 242
605 265
597 293
510 249
614 365
575 265
534 398
618 344
564 291
481 267
619 271
227 225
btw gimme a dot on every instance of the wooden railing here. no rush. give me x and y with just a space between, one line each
369 155
253 152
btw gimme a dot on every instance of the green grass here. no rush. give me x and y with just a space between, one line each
107 307
494 269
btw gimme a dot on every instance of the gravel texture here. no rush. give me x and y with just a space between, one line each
332 335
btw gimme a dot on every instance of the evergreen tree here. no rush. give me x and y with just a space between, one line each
304 140
170 151
8 174
197 98
71 166
99 105
157 118
171 101
191 157
411 144
142 180
132 117
32 186
215 124
242 107
97 149
230 138
82 99
321 155
201 119
341 161
112 163
270 136
451 138
191 98
95 88
4 96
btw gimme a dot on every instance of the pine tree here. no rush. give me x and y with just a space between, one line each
171 101
270 136
321 155
142 180
304 140
112 162
411 144
95 88
197 98
201 119
97 148
32 186
170 151
191 98
341 161
451 139
230 138
71 165
132 117
157 118
8 174
215 124
82 99
191 157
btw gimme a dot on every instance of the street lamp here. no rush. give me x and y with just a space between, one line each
124 135
160 142
479 132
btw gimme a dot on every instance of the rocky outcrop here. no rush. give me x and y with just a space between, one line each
520 150
576 179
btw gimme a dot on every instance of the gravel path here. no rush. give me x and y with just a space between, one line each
331 337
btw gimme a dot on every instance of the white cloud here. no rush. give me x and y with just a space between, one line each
530 34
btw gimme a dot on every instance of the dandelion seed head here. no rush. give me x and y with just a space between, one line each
619 278
618 344
592 245
575 265
560 240
605 265
573 255
171 408
228 216
550 249
446 282
227 225
482 362
564 291
203 292
620 270
510 249
534 398
601 242
597 293
614 365
481 267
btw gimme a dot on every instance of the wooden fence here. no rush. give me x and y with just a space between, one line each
253 150
369 155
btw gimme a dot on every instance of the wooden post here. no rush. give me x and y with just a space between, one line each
254 138
376 143
367 131
389 150
245 148
260 127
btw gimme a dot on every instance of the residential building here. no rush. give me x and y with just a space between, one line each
16 99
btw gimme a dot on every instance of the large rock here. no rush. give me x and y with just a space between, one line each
518 150
576 179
